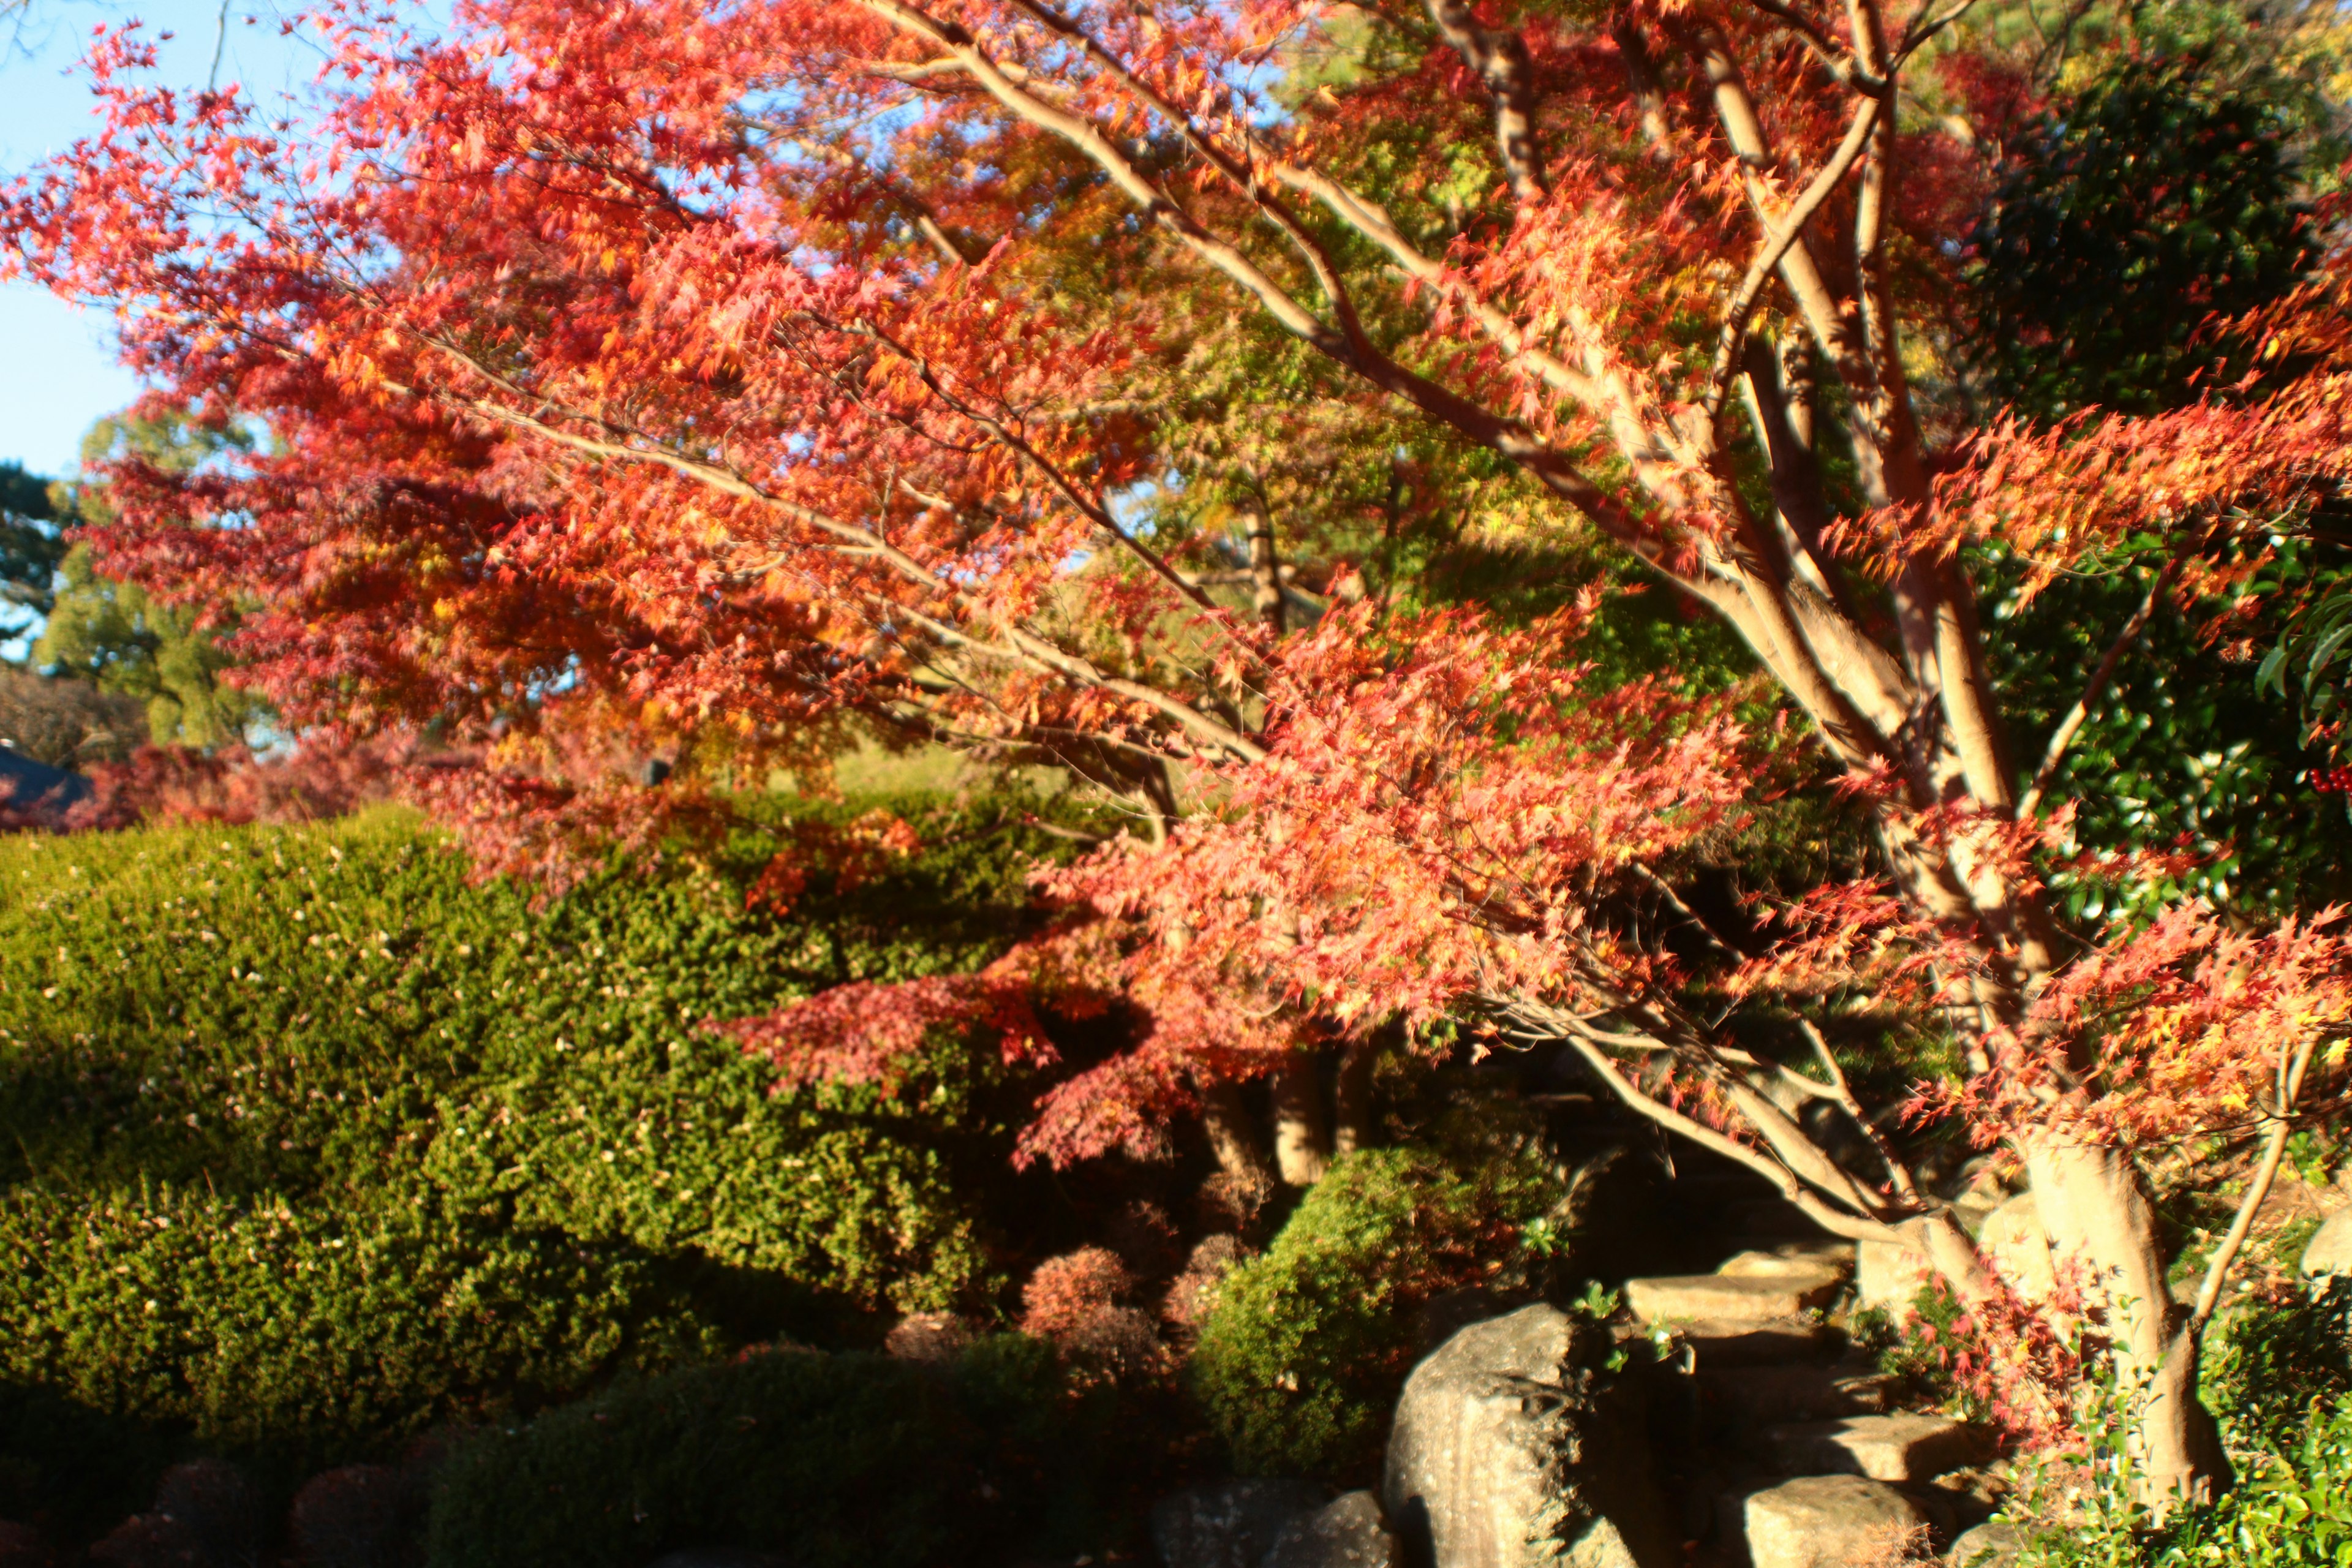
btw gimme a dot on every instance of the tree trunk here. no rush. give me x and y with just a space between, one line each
1234 1137
1302 1145
1353 1100
2098 1217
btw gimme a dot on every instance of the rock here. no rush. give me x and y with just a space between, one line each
1508 1453
1889 1276
2330 1249
362 1515
1718 1298
2017 1243
1746 1343
1228 1524
1765 1396
1791 1257
1984 1189
1346 1532
1995 1544
1830 1521
1792 1266
1882 1448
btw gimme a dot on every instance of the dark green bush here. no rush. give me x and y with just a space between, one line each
847 1461
1301 1358
307 1143
2279 1362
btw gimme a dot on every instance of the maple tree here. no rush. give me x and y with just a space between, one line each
659 395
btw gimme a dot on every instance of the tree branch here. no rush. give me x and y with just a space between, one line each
1500 58
2093 689
2217 1272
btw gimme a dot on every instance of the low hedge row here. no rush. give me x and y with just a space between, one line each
306 1144
841 1461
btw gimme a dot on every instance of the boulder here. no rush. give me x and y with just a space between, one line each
1228 1524
1346 1532
1884 1448
2330 1249
1507 1452
1994 1544
1889 1276
1830 1521
2015 1241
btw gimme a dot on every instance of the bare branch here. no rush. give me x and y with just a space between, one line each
2093 689
1780 236
1500 58
2217 1272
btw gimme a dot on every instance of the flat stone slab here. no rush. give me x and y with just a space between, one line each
1728 1298
1746 1342
1882 1448
1797 1272
1794 1257
1829 1521
1768 1396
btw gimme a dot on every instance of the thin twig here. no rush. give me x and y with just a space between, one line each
2064 736
2217 1273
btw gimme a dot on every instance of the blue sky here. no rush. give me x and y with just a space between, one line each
57 370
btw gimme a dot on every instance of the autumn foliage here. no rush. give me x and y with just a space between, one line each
717 384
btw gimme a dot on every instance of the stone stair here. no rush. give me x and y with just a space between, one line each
1802 1460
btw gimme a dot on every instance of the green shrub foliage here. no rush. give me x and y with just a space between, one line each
309 1143
1300 1360
849 1461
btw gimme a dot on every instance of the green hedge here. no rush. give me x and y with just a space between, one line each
847 1461
1300 1360
307 1143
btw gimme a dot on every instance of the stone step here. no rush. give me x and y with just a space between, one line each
1749 1343
1774 1395
1797 1264
1894 1448
1830 1250
1729 1298
1824 1521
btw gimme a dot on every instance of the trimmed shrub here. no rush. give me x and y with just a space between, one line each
1304 1348
307 1143
2283 1358
847 1461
